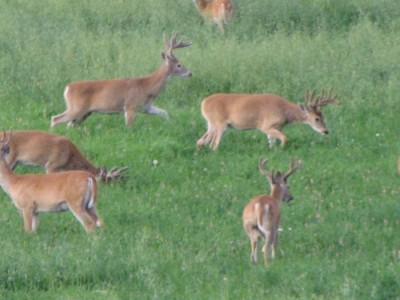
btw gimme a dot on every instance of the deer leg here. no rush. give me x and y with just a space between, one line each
27 214
274 134
83 217
129 116
35 221
153 110
206 138
78 120
93 214
216 138
67 116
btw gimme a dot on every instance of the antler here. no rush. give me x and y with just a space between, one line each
322 99
261 167
171 45
327 99
114 174
4 142
295 165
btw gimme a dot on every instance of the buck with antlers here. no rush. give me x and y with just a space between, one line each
54 153
261 216
128 95
217 11
268 113
37 193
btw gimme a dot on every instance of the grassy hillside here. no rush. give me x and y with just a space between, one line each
173 229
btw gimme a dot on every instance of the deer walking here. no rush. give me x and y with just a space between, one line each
217 11
261 216
38 193
268 113
54 153
127 95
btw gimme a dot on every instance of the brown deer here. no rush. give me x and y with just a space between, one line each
217 11
261 216
127 95
268 113
54 153
38 193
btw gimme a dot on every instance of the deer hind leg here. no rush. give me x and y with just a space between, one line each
27 214
69 116
82 215
217 136
206 138
93 214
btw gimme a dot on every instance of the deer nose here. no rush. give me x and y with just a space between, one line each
325 132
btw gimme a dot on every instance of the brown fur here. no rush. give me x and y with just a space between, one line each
261 216
128 95
217 11
268 113
36 193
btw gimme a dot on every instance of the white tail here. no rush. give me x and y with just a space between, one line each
261 216
217 11
128 95
268 113
37 193
54 153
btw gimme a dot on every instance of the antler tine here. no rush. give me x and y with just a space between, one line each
261 166
324 100
310 98
173 44
115 173
295 165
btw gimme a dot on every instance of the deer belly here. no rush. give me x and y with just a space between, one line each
54 208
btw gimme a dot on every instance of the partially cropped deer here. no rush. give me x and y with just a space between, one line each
38 193
261 216
268 113
54 153
217 11
127 95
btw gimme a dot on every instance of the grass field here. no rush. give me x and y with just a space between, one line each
173 229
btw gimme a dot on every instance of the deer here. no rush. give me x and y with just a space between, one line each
44 193
54 153
261 216
268 113
127 95
217 11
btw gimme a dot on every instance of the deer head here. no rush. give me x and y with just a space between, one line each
175 66
315 117
279 179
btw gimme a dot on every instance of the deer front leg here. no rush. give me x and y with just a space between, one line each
129 116
153 110
274 134
27 214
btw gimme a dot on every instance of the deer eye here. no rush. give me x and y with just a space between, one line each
178 65
317 119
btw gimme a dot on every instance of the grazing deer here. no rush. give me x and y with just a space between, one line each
54 153
268 113
262 214
217 11
128 95
36 193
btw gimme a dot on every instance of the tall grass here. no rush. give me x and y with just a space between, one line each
173 229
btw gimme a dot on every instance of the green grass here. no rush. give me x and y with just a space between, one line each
173 229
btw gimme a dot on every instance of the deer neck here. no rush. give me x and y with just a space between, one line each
201 4
7 177
156 81
295 114
276 193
